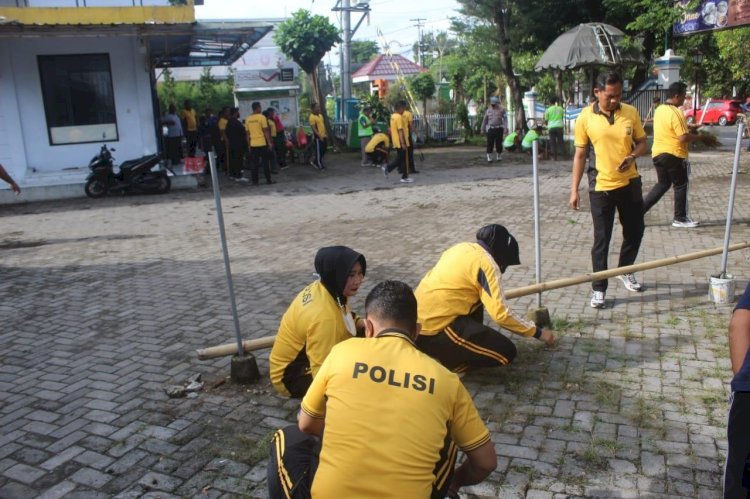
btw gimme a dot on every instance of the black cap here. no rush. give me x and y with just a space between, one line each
500 243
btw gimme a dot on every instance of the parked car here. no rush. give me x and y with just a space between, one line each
722 112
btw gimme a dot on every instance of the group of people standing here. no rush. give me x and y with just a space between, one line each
259 142
375 145
495 126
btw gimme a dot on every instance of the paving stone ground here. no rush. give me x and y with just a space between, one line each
103 303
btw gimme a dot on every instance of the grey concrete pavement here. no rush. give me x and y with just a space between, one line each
103 303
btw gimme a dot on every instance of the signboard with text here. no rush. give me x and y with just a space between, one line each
712 15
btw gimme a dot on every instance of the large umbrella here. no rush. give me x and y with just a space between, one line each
589 44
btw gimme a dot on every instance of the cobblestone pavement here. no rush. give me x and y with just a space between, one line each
103 303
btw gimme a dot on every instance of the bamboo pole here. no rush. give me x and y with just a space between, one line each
267 341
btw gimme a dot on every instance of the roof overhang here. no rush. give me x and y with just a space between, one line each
167 45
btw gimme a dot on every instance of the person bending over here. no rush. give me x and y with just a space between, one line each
394 418
378 147
317 319
451 298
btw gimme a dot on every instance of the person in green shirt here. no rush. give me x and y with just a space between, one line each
530 137
554 118
511 141
364 132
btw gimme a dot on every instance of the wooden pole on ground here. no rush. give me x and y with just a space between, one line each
267 341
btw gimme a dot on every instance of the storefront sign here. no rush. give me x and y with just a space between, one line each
712 15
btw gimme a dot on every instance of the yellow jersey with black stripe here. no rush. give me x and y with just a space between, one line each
254 124
669 125
310 327
393 410
612 138
465 277
397 123
272 127
407 117
317 123
377 140
191 122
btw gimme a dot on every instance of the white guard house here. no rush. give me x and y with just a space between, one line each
75 74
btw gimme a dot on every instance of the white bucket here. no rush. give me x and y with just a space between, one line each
721 290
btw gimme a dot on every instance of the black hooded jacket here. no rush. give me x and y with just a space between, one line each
333 265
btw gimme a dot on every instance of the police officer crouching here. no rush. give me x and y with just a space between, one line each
394 418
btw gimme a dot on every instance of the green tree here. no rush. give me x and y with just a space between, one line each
306 38
423 87
168 94
206 86
500 15
363 50
733 53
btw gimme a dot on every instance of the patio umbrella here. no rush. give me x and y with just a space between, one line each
589 44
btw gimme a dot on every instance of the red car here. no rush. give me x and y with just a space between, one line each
722 112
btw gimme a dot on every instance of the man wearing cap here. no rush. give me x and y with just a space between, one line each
494 124
452 296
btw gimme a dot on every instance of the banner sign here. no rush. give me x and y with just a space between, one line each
712 15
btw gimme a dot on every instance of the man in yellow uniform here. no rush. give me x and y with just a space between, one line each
614 133
259 136
452 297
317 319
670 152
378 147
320 136
190 126
394 418
410 136
400 144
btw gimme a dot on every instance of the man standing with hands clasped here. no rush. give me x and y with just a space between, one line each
672 135
493 125
613 133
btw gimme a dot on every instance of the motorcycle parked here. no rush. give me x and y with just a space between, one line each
134 175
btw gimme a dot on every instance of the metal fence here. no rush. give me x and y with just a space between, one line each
643 100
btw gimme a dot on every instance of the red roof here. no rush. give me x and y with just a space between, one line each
382 67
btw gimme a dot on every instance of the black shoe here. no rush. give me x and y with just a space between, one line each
270 182
414 171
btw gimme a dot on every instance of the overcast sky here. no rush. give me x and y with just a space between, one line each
392 17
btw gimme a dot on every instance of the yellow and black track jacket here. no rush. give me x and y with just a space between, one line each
465 277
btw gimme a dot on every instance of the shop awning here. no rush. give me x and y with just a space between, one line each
203 44
167 45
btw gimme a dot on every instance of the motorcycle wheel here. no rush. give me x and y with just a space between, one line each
163 184
95 188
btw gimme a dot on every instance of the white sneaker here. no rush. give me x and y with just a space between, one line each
242 179
498 157
489 158
407 180
687 223
630 282
384 168
597 299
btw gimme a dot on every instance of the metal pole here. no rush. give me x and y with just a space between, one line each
730 208
346 50
225 251
537 238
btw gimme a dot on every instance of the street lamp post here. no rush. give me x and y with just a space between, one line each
697 60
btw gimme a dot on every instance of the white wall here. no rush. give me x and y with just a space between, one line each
12 154
133 105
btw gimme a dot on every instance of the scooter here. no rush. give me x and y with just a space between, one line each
134 175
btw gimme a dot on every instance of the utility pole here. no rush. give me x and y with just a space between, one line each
346 9
420 53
